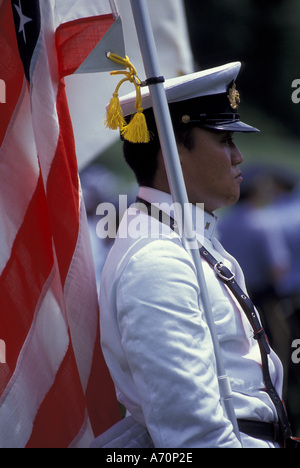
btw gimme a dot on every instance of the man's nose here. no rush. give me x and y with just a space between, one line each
236 156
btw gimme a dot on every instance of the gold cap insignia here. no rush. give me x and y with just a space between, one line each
186 119
234 97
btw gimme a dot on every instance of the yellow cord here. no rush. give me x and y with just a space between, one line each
136 131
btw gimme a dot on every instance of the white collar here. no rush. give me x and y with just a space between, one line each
156 196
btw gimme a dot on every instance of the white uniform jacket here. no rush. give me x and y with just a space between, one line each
157 344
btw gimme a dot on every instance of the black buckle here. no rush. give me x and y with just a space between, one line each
223 272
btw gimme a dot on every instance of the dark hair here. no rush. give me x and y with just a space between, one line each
142 158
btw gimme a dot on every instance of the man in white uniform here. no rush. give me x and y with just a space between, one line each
154 335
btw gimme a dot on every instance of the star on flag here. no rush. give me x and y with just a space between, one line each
23 19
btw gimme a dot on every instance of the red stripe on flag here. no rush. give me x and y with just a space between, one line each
62 413
103 416
25 274
5 376
77 39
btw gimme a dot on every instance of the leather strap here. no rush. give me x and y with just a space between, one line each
226 276
261 430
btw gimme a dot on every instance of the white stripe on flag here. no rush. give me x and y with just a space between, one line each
85 435
81 297
70 10
44 93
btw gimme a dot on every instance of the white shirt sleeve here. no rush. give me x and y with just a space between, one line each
168 349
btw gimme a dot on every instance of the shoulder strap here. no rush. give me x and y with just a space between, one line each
228 278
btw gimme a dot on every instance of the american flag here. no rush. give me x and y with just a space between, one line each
55 390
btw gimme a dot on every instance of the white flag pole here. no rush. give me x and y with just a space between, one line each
177 184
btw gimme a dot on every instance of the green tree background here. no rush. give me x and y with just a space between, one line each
265 36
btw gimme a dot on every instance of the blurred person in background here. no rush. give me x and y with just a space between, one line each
285 211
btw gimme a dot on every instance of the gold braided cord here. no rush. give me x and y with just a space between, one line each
136 131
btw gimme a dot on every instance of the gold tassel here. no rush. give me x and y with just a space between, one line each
136 131
114 115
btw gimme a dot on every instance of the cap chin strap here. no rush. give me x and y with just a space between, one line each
216 119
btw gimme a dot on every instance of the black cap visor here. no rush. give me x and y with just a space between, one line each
235 126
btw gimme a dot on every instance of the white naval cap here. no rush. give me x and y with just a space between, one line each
208 99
